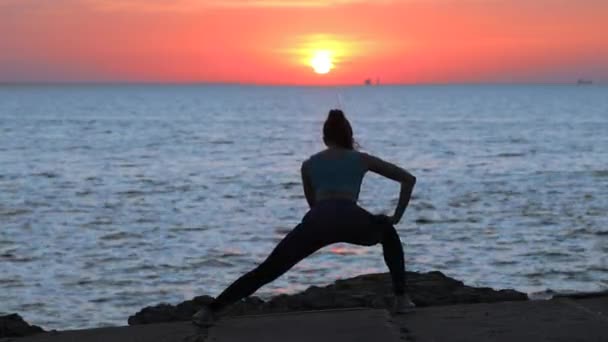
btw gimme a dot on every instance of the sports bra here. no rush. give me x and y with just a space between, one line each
337 175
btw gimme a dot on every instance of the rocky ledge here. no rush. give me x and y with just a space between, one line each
371 290
14 326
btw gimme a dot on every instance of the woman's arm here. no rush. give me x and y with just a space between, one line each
308 190
395 173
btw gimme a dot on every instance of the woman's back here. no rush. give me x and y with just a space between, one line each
336 171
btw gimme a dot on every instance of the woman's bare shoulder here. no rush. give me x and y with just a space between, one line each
308 160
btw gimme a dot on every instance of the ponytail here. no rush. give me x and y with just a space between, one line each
338 131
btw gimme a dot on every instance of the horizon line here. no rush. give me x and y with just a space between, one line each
246 84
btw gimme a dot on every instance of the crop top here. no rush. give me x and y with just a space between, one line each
337 175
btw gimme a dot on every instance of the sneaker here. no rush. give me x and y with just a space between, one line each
204 317
403 304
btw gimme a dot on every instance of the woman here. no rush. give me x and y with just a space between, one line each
332 180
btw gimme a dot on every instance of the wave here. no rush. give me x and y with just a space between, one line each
600 173
46 174
510 155
15 212
425 220
121 236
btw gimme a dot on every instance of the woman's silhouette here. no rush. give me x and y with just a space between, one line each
332 179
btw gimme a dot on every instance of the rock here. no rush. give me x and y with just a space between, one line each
169 313
370 290
14 326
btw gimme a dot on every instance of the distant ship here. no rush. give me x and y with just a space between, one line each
369 81
584 82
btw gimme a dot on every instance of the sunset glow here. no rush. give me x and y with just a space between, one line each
321 62
276 42
324 52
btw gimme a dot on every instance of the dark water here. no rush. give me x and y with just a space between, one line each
117 197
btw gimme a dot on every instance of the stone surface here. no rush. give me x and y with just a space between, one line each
348 325
553 320
371 291
560 319
14 326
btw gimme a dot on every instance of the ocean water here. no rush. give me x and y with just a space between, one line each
113 198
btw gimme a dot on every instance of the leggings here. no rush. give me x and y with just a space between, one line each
328 222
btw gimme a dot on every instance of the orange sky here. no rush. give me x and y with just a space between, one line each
271 41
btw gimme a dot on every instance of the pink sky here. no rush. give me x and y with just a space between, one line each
272 41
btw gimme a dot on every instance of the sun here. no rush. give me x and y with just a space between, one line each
321 62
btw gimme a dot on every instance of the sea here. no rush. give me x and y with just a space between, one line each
116 197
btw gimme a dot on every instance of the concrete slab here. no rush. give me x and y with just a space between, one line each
350 325
553 320
163 332
561 319
597 306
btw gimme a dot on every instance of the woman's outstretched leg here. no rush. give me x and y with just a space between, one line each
297 245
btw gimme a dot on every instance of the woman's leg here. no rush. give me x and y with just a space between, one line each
367 229
340 223
297 245
393 257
